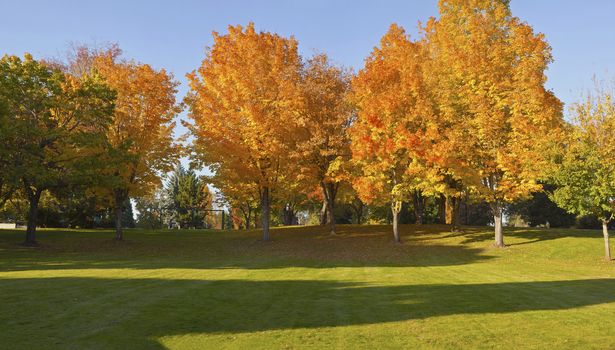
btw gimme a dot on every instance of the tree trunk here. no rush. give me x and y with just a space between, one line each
455 214
265 213
33 198
466 212
395 209
360 214
285 216
119 210
323 212
357 205
449 210
119 233
452 212
496 208
442 209
288 215
331 217
418 200
605 233
247 218
329 194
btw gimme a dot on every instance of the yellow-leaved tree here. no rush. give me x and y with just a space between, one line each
246 104
489 71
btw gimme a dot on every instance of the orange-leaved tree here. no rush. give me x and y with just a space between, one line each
490 71
324 144
392 131
140 147
246 105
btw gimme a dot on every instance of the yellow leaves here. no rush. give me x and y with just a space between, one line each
488 68
461 107
335 167
322 141
594 122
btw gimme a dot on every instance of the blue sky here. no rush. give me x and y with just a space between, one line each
173 34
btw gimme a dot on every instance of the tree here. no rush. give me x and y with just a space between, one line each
585 174
58 121
452 195
243 197
152 210
488 76
140 147
245 103
189 198
390 134
324 142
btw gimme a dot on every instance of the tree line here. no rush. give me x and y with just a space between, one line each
458 116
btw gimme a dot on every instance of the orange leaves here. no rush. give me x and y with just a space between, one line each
140 139
466 103
245 103
322 142
389 134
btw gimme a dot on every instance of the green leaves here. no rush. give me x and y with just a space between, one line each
54 120
586 172
52 129
189 198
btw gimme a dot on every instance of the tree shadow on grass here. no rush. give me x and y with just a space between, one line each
136 313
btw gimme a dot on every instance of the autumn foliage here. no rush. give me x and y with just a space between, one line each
246 107
459 111
140 143
393 129
489 69
323 143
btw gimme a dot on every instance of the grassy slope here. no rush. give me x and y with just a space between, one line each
191 289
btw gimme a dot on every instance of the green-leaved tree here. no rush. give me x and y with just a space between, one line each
586 171
57 123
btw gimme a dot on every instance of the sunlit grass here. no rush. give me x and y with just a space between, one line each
306 289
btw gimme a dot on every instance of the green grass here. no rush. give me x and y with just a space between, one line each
305 289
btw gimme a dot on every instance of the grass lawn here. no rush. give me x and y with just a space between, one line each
305 289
